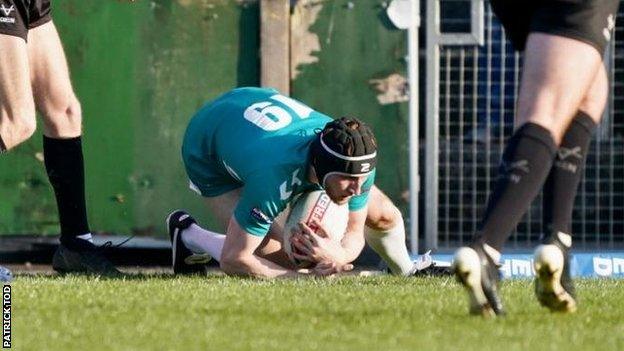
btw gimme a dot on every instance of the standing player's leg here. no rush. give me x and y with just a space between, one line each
548 101
557 293
17 108
562 183
557 74
62 148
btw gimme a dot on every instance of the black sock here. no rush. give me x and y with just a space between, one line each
526 162
65 166
3 147
565 175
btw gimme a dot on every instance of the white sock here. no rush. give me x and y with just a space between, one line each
565 239
390 245
494 254
88 237
201 241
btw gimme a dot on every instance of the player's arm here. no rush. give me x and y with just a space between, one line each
353 240
320 247
248 227
239 258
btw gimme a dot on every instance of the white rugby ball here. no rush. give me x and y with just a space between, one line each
315 205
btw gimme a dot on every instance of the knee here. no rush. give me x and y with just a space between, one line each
64 120
594 105
386 219
18 128
595 100
27 127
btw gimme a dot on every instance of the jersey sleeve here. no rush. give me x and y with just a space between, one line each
258 206
358 202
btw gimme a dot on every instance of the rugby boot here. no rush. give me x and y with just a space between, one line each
425 266
75 255
480 276
184 261
554 288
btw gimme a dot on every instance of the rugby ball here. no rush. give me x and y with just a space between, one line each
315 205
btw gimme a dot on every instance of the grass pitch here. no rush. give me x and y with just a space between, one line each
351 313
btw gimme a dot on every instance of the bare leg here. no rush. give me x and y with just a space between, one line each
62 149
557 76
222 207
17 109
565 175
558 73
51 84
595 100
62 145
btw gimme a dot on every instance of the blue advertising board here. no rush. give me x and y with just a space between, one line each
583 264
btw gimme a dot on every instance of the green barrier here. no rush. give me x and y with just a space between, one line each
361 55
141 69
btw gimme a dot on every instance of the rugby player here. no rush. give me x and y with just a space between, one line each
34 76
562 96
252 151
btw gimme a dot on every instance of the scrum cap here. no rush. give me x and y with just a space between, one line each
345 146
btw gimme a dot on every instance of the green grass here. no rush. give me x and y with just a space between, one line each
351 313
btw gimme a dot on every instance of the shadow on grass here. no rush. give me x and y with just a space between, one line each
124 277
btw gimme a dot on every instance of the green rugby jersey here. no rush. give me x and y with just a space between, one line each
259 140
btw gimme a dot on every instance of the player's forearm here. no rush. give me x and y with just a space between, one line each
254 266
352 243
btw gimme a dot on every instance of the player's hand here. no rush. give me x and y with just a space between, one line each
317 247
298 251
325 269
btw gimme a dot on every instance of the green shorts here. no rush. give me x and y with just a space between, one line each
210 178
208 174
